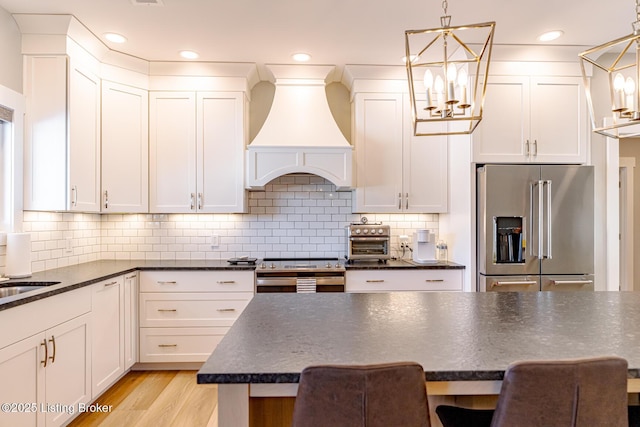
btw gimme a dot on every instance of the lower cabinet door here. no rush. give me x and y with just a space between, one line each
107 314
68 370
22 373
179 344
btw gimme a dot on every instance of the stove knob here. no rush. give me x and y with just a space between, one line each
358 231
366 231
337 265
328 265
380 231
272 265
263 265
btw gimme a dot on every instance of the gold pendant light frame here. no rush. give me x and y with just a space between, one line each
618 63
454 105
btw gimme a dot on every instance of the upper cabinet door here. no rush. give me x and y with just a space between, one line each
45 149
503 133
220 148
172 152
378 144
125 149
425 170
532 119
559 125
62 138
84 138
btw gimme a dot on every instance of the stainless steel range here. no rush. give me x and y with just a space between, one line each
302 275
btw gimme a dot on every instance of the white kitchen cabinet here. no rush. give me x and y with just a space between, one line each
532 119
68 377
125 149
185 314
62 137
46 358
107 345
130 319
423 280
396 171
196 147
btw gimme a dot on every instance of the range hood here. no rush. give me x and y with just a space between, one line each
299 134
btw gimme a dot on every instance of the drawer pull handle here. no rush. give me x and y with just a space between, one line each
130 277
164 282
167 309
226 309
46 353
167 345
434 280
225 282
53 356
515 282
110 284
375 281
571 282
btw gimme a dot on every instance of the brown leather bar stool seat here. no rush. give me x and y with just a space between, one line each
563 393
381 395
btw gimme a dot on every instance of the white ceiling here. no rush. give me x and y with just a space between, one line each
334 32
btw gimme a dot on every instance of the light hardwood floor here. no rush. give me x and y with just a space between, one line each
157 399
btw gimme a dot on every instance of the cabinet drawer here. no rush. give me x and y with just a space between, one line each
404 280
196 281
34 317
191 309
179 344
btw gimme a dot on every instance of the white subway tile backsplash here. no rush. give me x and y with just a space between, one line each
296 216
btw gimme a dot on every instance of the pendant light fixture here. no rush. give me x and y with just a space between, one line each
615 112
448 77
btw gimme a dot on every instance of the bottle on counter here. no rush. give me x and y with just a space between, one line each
442 251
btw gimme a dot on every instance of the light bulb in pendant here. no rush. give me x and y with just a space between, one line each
462 83
618 88
428 84
629 90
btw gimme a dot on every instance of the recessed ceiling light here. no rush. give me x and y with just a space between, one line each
115 37
550 35
301 57
189 54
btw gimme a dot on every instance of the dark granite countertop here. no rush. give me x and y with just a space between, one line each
77 276
85 274
454 336
405 264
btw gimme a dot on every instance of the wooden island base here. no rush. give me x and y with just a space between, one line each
271 405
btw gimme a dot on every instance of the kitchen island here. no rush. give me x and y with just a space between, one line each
464 341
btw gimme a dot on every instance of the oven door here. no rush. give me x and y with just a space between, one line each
299 284
368 248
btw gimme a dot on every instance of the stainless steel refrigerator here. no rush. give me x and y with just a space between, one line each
535 227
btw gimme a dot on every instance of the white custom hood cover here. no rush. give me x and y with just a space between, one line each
299 134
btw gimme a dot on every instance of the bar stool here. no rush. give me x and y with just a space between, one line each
382 395
564 393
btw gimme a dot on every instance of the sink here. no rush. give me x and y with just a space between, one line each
16 288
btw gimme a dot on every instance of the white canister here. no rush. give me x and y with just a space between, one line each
18 255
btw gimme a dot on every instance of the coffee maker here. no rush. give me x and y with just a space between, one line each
424 246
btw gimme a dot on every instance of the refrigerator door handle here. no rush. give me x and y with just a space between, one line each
540 219
571 282
549 221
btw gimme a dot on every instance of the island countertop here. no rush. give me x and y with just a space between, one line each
454 336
